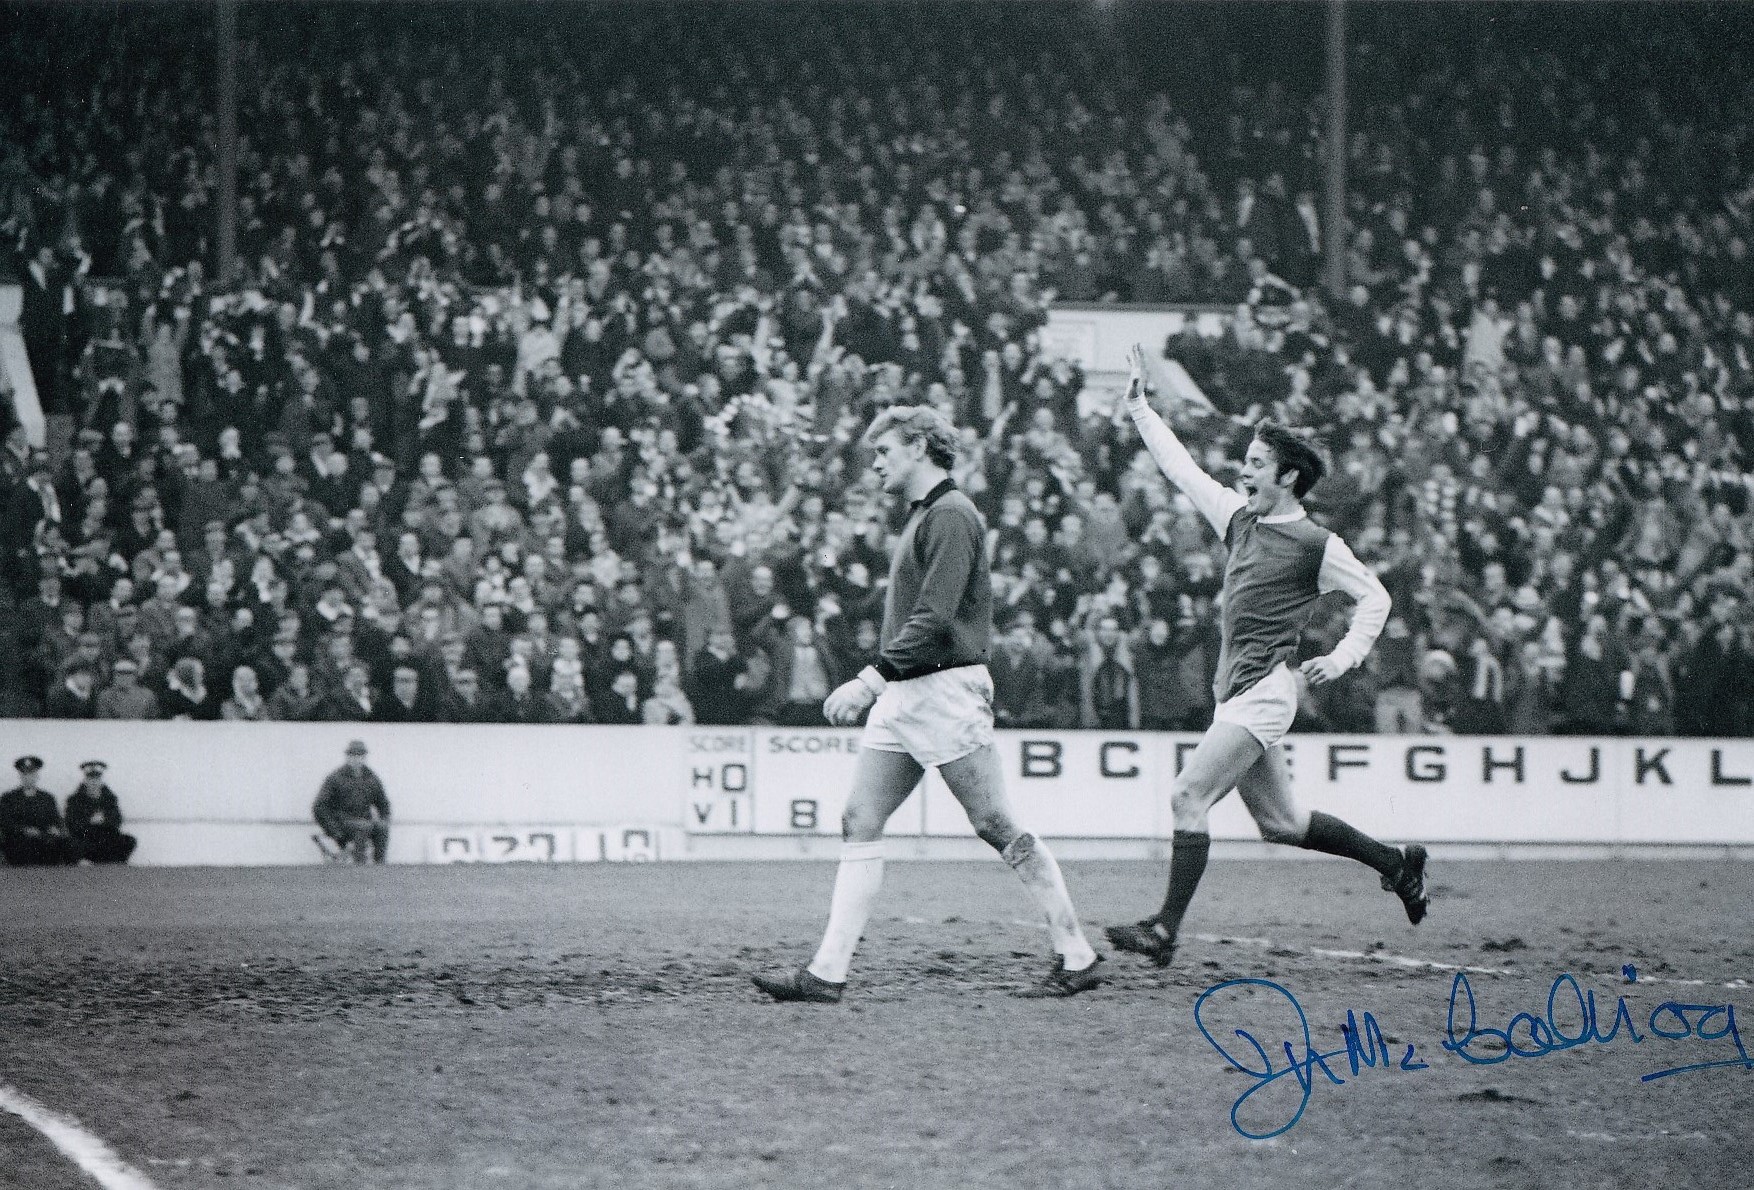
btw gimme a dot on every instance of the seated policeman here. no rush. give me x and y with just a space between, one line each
352 807
31 830
94 818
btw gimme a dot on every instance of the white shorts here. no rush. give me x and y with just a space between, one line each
935 719
1266 709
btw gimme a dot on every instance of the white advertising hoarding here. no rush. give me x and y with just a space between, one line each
558 794
1441 789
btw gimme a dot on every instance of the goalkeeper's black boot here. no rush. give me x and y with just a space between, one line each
1061 982
799 985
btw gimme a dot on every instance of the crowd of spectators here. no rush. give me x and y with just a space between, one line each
536 394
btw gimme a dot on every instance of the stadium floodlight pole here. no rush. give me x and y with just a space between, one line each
1334 180
227 102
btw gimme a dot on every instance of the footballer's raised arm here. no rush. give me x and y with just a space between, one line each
1214 501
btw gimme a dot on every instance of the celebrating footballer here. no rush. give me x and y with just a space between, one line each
1280 562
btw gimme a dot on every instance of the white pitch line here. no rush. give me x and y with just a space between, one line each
1732 984
1397 960
1379 956
1392 960
76 1144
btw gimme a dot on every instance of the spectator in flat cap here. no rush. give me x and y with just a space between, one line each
353 809
94 819
31 830
125 697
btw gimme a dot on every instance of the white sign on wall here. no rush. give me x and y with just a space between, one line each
1080 784
718 766
544 845
242 792
1097 338
502 845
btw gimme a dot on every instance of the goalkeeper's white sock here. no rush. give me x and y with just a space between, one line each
1034 864
855 889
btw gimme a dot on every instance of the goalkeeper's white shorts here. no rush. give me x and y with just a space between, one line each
935 719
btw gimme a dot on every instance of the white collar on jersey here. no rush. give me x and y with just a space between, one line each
1283 517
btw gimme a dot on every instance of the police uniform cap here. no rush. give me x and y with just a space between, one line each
28 764
356 748
93 768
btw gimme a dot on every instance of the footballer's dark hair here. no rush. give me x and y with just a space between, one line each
916 422
1292 452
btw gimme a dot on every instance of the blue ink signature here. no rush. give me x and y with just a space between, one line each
1543 1035
1572 1019
1365 1048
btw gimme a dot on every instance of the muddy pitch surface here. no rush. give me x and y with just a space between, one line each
582 1026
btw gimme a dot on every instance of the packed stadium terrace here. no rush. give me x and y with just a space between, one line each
538 395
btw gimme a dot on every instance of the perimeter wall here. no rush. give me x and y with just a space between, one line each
241 793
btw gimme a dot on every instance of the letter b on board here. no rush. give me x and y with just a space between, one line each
1041 758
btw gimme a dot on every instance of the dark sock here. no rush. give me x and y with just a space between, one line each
1329 834
1187 863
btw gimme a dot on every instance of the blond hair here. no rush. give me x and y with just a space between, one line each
912 423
